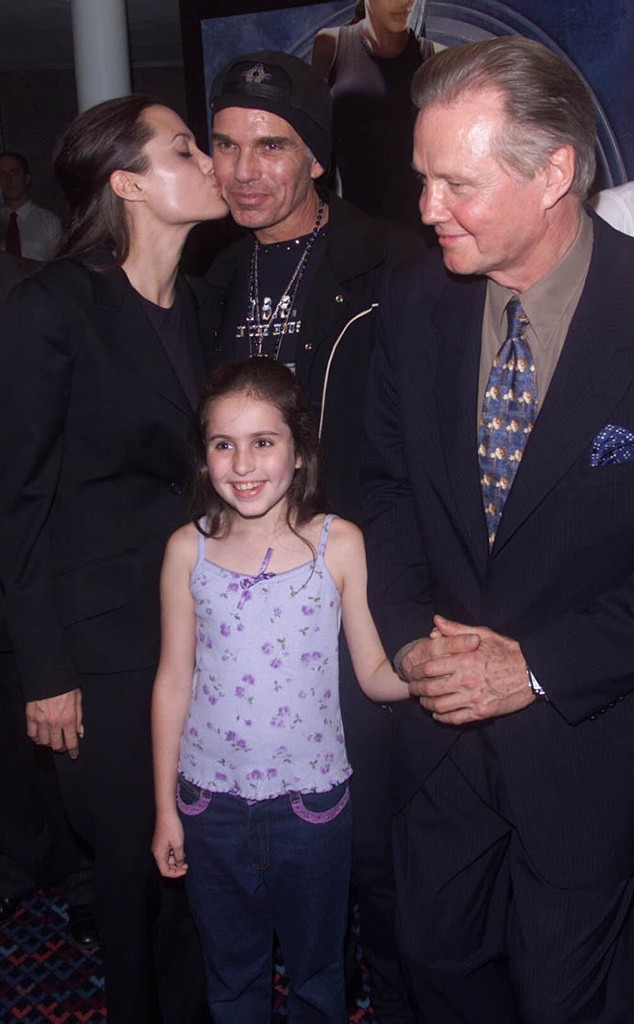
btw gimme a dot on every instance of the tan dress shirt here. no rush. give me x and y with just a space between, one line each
549 305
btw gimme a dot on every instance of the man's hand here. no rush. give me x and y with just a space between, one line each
467 673
56 722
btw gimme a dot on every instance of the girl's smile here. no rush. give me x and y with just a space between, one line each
248 491
250 487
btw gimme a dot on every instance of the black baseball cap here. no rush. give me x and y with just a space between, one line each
280 84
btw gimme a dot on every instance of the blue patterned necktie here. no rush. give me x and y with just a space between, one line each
508 413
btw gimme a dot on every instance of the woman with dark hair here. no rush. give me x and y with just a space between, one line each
369 66
100 366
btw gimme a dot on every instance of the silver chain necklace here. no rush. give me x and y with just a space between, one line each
274 322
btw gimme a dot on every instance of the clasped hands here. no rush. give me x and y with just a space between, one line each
466 673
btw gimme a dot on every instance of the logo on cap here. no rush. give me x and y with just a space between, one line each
256 75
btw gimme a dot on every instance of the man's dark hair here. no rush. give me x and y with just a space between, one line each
22 160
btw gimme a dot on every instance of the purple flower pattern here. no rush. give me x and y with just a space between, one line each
259 655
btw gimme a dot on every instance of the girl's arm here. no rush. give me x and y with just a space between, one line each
345 558
172 695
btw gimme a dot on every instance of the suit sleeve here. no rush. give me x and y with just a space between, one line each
584 660
397 572
36 379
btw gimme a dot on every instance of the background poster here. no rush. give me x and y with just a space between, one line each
595 35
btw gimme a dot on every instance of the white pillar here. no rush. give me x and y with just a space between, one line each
100 40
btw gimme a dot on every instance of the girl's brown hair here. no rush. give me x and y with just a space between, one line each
270 382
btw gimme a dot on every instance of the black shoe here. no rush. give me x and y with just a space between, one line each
9 906
83 927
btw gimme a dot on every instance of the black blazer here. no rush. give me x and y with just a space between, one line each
93 464
559 578
12 270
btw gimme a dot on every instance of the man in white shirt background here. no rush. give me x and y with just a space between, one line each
25 229
616 205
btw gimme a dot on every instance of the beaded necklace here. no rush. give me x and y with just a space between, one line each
268 322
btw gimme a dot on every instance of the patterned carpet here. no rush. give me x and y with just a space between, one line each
43 978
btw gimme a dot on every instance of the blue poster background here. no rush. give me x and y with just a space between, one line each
597 36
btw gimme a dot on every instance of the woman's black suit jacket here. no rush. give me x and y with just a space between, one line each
93 470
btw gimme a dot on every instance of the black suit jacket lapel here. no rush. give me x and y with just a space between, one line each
198 343
594 370
458 319
127 331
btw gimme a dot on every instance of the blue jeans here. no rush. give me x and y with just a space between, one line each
278 865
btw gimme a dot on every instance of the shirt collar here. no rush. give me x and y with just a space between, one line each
22 211
542 302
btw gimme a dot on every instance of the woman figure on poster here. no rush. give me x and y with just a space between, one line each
369 66
101 362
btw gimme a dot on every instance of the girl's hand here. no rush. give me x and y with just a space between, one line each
167 846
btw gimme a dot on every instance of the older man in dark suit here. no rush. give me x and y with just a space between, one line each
500 511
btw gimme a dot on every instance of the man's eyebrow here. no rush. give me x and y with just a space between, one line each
260 140
274 140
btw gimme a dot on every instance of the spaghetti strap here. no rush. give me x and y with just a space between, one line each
202 525
323 538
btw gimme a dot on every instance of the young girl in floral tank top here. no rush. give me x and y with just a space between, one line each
250 763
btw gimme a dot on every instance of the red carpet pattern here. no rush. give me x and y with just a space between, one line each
42 976
45 980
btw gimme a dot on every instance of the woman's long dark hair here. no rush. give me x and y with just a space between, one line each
270 382
103 139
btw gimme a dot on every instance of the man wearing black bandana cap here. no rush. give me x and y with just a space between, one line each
304 288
